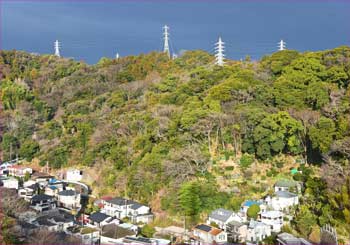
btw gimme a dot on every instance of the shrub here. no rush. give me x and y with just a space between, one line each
246 160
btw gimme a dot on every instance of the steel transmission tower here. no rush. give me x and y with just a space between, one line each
219 53
57 46
166 40
282 45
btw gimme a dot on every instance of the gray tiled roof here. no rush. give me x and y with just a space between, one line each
285 194
203 227
136 206
67 193
98 217
221 214
120 201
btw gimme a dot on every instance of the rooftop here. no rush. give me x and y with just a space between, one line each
67 193
41 197
120 201
285 194
98 217
221 214
272 214
115 232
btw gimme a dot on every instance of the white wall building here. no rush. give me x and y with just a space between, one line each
222 217
69 199
205 234
273 218
74 175
121 208
282 200
258 231
10 183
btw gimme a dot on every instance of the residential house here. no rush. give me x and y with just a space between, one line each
74 175
288 239
222 217
53 187
287 185
273 218
129 226
55 220
257 231
236 232
19 171
120 208
282 200
89 236
206 234
43 202
10 183
68 199
139 213
29 183
99 219
86 235
142 241
110 234
116 207
41 177
27 192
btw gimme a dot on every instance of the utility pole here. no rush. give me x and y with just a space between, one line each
57 46
219 52
11 152
166 40
281 45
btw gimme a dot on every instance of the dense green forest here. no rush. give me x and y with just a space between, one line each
157 129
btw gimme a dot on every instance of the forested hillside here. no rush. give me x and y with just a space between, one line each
176 132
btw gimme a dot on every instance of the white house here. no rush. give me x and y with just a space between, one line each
120 208
222 217
11 183
55 220
69 199
140 213
205 234
282 200
26 193
257 231
74 175
43 202
29 183
19 171
116 207
273 218
99 219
